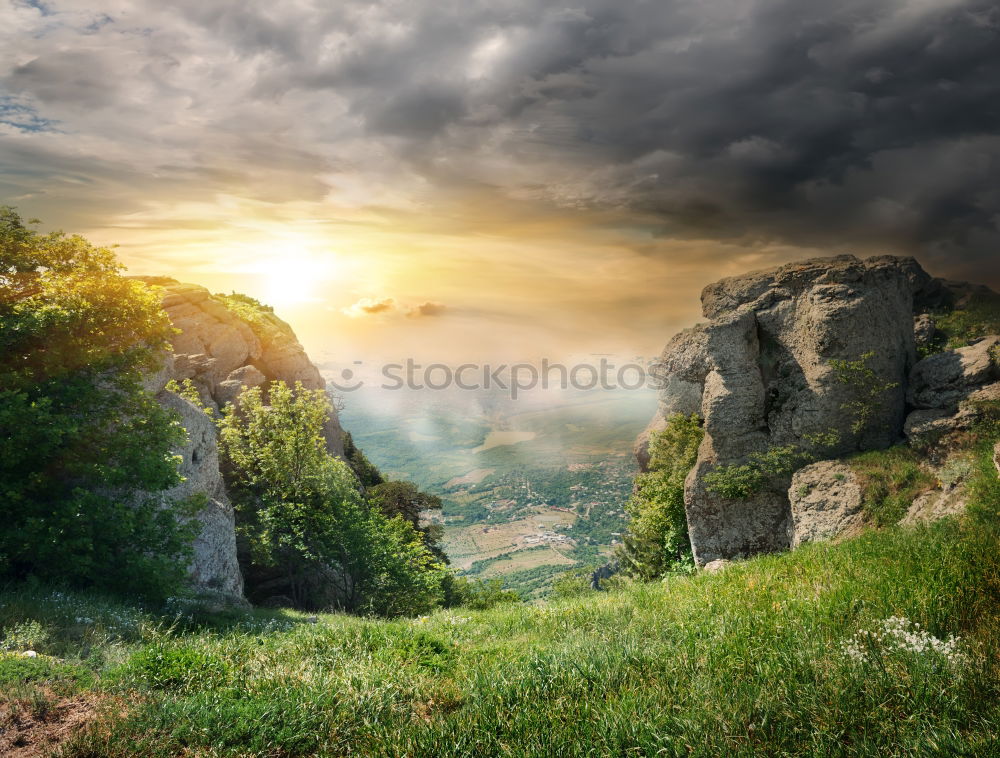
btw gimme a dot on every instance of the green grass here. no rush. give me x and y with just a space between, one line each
890 480
746 662
978 318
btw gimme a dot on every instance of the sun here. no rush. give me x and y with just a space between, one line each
293 275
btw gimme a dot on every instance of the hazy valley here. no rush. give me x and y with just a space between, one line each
530 487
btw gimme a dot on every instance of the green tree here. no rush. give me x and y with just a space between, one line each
302 515
657 538
868 387
81 444
404 499
366 471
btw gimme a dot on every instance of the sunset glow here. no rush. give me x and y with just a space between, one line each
561 179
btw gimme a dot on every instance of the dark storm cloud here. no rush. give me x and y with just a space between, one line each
870 123
810 123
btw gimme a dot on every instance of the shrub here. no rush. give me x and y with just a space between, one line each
403 499
868 388
742 481
301 513
18 669
475 594
81 443
366 471
657 532
977 318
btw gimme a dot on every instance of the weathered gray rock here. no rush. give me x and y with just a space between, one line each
679 375
826 502
641 449
222 352
763 365
215 567
154 381
945 379
936 504
714 567
242 378
924 330
926 427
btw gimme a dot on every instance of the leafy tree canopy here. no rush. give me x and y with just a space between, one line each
81 444
303 516
657 539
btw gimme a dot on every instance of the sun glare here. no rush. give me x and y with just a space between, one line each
293 274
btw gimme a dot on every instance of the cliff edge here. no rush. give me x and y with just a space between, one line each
224 344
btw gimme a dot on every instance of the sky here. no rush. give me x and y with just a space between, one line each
503 179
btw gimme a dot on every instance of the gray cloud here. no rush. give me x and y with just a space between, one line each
426 309
872 123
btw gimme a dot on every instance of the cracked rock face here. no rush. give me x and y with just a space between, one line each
944 380
222 353
762 368
214 567
826 500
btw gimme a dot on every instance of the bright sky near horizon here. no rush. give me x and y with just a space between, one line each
472 180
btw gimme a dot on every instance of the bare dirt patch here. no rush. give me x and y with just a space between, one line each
32 729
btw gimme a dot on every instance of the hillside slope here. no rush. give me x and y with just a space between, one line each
833 649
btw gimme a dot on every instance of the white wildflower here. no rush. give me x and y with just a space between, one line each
900 635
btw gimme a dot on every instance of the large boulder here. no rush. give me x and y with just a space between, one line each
944 380
926 427
826 500
936 504
222 350
679 375
763 367
214 567
242 378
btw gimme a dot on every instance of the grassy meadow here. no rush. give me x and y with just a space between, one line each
885 645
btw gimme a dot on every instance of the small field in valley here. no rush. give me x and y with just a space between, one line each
483 541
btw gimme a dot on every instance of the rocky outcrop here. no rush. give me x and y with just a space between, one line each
762 367
948 500
762 370
952 391
944 380
214 567
826 501
926 427
223 348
